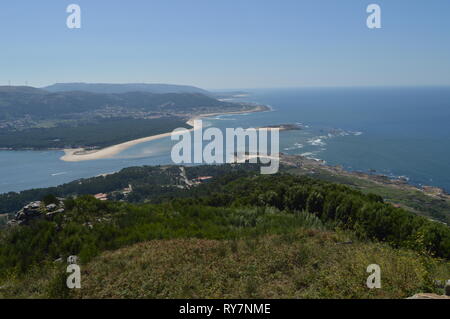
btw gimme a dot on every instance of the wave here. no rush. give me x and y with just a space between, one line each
317 141
341 132
320 140
57 174
307 154
296 146
312 156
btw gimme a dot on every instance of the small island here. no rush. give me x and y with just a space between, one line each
283 127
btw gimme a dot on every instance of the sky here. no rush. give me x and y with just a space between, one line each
218 44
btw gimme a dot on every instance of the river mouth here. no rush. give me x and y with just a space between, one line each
395 135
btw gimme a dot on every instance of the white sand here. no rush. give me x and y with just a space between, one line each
80 154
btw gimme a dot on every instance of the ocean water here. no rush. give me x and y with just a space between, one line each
394 131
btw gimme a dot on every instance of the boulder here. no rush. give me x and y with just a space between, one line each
51 207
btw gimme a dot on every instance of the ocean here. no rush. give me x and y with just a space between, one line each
392 131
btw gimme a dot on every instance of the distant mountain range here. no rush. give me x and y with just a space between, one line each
106 88
18 101
99 115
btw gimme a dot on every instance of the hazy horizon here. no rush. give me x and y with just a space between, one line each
243 88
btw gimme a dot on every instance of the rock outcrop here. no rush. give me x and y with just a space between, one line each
37 210
440 284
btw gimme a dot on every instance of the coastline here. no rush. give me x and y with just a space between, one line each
81 154
257 108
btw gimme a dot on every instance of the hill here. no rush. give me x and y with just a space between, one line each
33 118
92 134
20 90
16 102
159 183
307 263
268 236
109 88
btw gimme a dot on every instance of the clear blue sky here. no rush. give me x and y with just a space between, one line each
226 43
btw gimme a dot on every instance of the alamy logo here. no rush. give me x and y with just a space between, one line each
374 280
374 19
74 19
240 145
74 279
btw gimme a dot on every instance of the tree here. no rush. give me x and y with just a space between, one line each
50 199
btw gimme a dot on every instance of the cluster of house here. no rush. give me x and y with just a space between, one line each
126 191
101 196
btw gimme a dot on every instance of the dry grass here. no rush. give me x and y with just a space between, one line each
305 264
308 265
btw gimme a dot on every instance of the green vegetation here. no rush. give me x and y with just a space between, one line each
408 198
124 88
302 264
365 214
38 119
50 199
3 220
260 227
150 183
16 102
99 134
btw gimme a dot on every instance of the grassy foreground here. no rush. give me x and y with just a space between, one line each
305 264
235 237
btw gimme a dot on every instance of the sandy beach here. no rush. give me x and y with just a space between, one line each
258 108
80 154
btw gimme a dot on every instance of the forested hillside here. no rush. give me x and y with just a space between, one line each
150 183
16 102
33 118
233 207
124 88
90 134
